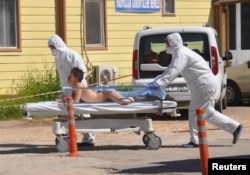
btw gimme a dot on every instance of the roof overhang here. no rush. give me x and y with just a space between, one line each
220 2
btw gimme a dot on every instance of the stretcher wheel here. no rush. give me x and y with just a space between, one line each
145 139
62 144
152 142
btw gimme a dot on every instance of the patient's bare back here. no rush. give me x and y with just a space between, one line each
89 95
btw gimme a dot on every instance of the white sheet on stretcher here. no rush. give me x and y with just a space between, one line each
54 108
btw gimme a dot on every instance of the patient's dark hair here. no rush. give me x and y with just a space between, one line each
78 73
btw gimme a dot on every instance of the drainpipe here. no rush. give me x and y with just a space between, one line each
62 30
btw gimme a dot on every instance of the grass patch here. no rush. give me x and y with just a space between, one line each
11 112
32 86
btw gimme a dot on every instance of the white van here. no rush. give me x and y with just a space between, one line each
150 60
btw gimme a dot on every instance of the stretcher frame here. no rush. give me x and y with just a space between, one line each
98 123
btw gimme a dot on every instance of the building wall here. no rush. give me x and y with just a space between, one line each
122 27
222 20
38 23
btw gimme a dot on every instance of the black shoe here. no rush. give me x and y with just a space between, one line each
236 134
190 145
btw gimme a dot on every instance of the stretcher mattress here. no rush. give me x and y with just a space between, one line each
55 108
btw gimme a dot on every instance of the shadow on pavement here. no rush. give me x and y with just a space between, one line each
46 149
14 148
179 166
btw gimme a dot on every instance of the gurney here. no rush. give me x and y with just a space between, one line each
98 123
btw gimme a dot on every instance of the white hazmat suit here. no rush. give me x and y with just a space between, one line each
201 82
66 59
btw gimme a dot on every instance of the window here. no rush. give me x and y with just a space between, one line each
9 26
241 42
245 26
168 7
95 23
153 50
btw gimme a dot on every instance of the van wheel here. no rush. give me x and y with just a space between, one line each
233 94
219 105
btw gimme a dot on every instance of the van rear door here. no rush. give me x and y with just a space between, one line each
152 60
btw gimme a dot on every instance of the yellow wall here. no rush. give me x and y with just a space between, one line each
38 24
122 28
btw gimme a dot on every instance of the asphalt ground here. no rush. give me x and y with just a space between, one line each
28 148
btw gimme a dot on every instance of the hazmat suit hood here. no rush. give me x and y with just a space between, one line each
58 43
174 41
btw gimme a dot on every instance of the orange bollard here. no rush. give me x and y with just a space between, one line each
72 129
204 155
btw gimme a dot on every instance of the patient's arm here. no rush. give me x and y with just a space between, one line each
78 93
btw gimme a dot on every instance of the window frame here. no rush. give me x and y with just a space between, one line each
103 44
172 11
18 32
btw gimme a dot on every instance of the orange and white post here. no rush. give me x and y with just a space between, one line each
72 129
204 155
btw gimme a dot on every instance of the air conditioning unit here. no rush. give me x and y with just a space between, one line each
106 75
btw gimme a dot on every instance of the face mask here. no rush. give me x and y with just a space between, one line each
54 52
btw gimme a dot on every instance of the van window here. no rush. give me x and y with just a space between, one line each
152 51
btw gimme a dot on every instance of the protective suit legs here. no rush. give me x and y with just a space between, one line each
88 138
203 98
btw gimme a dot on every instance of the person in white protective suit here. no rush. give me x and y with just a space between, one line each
201 82
66 59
